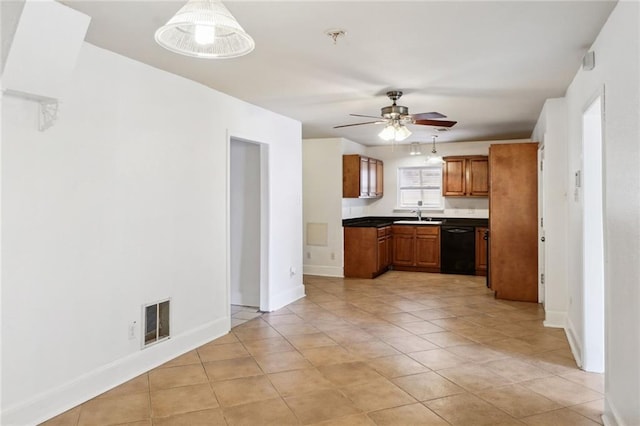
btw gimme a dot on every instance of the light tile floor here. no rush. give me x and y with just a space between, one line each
242 314
403 349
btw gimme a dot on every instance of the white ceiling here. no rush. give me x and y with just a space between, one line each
488 65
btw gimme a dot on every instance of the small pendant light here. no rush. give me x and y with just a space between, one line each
434 158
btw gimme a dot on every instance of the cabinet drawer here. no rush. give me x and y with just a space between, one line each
427 230
403 230
384 231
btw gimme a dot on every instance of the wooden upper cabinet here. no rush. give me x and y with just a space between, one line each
465 176
453 179
379 179
364 177
478 177
373 164
361 177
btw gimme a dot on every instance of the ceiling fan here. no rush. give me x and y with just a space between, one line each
396 117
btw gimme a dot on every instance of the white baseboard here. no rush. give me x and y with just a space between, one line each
574 342
285 298
324 271
555 319
55 401
611 417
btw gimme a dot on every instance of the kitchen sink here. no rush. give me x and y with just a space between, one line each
418 222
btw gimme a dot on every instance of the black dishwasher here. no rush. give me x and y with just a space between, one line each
458 250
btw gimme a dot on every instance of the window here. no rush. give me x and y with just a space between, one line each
420 184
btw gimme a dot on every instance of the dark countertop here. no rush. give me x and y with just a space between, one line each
380 221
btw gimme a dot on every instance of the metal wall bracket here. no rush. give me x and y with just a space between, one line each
47 107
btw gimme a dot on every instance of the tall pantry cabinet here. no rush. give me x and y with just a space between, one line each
513 221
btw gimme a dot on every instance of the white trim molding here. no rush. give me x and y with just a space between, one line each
55 401
324 271
574 342
555 319
611 417
286 297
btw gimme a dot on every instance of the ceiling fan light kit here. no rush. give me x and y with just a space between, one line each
395 118
205 29
394 132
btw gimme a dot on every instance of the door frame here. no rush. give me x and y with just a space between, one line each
264 220
593 257
542 263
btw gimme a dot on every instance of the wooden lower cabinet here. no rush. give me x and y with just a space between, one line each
428 247
366 251
384 248
404 245
416 248
481 251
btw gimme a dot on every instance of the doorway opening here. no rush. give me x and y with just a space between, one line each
247 229
593 237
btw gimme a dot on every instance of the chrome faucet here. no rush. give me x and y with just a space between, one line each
418 212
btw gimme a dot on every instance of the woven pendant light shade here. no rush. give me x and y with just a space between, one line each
205 29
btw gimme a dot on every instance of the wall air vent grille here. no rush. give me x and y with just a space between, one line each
157 319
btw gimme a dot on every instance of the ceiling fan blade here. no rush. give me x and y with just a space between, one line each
358 124
428 115
436 123
368 116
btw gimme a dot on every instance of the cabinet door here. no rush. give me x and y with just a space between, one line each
360 252
350 176
379 179
404 246
364 177
453 177
481 251
373 164
428 247
383 253
478 177
389 250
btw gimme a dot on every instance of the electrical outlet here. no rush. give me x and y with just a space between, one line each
132 330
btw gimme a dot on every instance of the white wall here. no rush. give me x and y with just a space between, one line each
124 201
617 52
322 188
551 131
